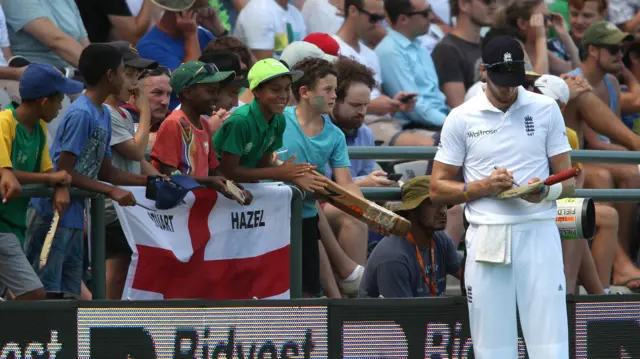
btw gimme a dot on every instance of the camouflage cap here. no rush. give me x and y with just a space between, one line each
414 192
174 5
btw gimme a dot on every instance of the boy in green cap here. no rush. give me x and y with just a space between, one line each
183 144
247 140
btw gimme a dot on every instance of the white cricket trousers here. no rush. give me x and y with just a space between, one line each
535 280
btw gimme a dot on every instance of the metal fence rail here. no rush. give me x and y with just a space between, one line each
98 258
427 153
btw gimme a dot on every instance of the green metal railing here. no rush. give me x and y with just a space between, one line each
98 287
98 258
295 247
427 153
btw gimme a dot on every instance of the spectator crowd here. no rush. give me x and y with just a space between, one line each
105 94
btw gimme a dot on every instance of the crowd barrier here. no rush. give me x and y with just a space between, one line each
600 327
98 283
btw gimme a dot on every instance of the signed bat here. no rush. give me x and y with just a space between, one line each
378 218
537 186
46 246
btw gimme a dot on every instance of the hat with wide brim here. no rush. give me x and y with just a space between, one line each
414 192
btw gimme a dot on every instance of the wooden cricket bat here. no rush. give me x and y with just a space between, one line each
46 246
378 218
537 186
236 192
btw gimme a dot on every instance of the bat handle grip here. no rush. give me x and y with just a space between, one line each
562 176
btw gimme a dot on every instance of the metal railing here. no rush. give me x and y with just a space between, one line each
98 258
98 287
427 153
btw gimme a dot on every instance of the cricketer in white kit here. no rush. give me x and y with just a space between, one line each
514 253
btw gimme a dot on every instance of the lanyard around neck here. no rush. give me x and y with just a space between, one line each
431 283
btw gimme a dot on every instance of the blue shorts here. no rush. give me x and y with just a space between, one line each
64 270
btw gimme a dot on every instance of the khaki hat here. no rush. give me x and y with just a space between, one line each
414 192
605 33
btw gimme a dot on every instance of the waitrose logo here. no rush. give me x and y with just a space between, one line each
480 133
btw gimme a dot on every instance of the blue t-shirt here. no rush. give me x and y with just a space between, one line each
393 270
329 146
168 51
86 133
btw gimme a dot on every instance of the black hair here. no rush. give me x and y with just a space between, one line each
359 4
395 8
52 96
314 69
634 48
502 31
96 60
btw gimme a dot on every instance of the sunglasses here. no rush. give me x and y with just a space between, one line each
425 13
506 67
373 18
208 67
489 2
158 71
612 49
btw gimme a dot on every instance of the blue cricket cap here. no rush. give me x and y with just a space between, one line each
42 80
169 194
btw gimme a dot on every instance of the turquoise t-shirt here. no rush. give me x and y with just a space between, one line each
329 146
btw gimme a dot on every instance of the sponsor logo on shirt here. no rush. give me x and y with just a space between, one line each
248 147
528 125
480 133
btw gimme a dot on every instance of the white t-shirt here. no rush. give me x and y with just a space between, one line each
367 57
4 37
265 25
477 136
321 16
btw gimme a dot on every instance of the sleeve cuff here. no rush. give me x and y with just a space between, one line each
447 161
558 150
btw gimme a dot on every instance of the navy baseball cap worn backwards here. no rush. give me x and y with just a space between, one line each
503 58
169 194
41 80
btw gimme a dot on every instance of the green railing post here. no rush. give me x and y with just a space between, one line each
98 257
295 248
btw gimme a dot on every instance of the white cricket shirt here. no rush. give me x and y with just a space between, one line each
477 136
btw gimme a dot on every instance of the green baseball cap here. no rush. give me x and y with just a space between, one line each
269 69
196 72
414 192
605 33
174 5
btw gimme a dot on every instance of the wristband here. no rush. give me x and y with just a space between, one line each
554 192
465 194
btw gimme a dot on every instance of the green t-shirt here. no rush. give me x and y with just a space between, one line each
561 7
247 134
24 151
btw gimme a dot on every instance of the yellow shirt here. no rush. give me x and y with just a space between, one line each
574 143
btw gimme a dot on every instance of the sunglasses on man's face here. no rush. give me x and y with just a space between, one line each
160 70
506 67
373 18
612 49
425 13
489 2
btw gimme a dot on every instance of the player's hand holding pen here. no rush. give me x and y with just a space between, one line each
500 180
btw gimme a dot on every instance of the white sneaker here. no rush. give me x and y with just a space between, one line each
350 287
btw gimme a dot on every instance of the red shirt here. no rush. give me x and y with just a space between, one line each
181 145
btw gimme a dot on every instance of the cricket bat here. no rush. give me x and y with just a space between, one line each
377 218
46 246
236 192
537 186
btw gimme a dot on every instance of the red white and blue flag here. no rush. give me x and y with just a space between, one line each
210 247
